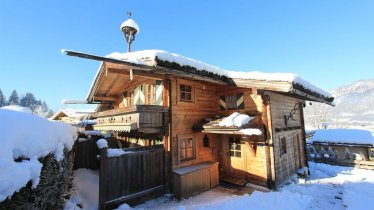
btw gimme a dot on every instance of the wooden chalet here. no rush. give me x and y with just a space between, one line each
163 98
343 143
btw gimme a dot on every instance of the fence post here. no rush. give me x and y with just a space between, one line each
102 178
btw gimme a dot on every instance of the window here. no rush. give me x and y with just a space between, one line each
283 146
185 93
187 149
231 102
150 94
235 147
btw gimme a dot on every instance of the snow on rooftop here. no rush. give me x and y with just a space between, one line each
344 136
29 137
148 57
17 108
235 119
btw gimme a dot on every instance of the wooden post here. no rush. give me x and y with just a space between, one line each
102 178
303 133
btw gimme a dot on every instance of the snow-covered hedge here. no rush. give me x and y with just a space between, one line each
27 139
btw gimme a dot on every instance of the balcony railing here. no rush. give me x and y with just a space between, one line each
140 118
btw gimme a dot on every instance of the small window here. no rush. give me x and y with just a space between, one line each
185 93
235 147
231 102
186 148
150 94
283 146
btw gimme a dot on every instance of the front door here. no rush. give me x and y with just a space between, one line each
234 152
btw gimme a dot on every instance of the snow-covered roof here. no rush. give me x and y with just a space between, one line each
148 59
344 136
29 137
155 57
72 113
17 108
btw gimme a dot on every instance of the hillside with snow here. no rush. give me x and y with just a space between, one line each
354 107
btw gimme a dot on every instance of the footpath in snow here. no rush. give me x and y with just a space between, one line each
328 187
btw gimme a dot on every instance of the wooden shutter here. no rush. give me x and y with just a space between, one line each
159 92
240 101
139 95
222 103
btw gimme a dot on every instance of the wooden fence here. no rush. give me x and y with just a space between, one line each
352 163
134 176
86 153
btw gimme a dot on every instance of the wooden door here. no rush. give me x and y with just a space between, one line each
297 149
234 156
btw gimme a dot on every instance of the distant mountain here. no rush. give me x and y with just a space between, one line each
354 107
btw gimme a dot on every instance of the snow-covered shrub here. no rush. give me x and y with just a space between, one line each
335 155
55 182
311 151
323 152
330 152
347 154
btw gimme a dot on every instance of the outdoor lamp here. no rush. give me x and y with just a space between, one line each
129 28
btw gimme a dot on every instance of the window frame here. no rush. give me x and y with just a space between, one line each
235 151
186 137
234 100
185 83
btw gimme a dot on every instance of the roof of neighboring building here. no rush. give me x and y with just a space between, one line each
72 113
343 136
163 62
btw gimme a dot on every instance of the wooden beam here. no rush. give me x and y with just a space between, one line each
105 98
110 88
105 59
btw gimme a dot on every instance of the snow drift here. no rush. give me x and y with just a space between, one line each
25 138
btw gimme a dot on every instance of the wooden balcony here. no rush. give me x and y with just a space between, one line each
138 118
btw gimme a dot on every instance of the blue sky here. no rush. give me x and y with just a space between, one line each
329 43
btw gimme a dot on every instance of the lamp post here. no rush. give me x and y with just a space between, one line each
129 28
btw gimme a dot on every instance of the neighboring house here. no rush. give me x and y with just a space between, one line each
343 143
250 123
75 117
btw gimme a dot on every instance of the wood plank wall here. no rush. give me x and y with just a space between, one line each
285 164
187 114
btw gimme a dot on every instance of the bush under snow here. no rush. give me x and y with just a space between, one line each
25 138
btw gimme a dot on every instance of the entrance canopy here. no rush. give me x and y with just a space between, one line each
236 123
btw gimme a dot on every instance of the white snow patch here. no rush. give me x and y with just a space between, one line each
116 152
347 136
251 131
17 108
235 119
102 143
85 190
29 137
130 23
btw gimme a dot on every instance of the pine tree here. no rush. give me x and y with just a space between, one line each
28 101
3 101
14 99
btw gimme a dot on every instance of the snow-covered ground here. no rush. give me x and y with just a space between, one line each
328 187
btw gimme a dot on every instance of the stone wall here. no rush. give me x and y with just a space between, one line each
55 182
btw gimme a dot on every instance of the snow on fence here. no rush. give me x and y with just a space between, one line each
353 163
130 175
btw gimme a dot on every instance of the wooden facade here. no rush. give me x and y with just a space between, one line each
130 95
